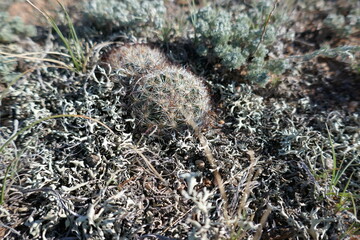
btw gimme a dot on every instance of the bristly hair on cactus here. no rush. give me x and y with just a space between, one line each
160 95
136 59
170 97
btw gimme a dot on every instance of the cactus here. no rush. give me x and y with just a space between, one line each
136 60
169 98
160 95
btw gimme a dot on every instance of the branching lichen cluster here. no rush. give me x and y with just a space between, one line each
289 165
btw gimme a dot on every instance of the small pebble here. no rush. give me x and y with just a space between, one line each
200 164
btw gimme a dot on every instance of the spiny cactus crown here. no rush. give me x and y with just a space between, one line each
135 60
160 94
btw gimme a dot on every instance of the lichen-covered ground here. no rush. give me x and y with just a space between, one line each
287 150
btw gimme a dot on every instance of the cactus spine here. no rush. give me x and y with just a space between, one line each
160 94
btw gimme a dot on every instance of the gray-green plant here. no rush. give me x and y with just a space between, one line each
13 28
349 54
344 25
239 40
136 15
7 69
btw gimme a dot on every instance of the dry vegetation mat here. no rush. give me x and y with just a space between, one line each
180 120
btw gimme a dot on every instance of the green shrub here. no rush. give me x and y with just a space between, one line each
129 14
238 39
13 28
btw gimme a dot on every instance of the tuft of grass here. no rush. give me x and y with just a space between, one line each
345 197
167 33
31 56
73 45
337 171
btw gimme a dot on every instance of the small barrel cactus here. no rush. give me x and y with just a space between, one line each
160 95
136 59
170 97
